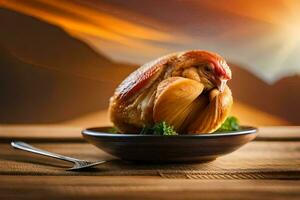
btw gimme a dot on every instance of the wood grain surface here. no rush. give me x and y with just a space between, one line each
266 168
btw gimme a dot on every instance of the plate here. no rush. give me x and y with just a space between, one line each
179 148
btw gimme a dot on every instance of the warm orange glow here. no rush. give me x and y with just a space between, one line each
283 14
78 19
269 11
281 33
111 23
263 34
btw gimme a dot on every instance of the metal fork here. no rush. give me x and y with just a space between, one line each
77 163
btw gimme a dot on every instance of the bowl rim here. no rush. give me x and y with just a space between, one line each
93 132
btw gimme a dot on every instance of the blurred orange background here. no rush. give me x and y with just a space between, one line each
61 60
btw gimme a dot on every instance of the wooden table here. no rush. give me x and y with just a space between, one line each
268 168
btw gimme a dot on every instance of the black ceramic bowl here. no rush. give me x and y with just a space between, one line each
180 148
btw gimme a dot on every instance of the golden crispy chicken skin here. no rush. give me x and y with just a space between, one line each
187 90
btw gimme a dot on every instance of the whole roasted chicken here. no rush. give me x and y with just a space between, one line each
187 90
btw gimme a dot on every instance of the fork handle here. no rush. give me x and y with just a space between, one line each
26 147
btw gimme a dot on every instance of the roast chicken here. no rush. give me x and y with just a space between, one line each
187 90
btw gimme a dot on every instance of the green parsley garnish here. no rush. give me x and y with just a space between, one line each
113 130
162 128
230 124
